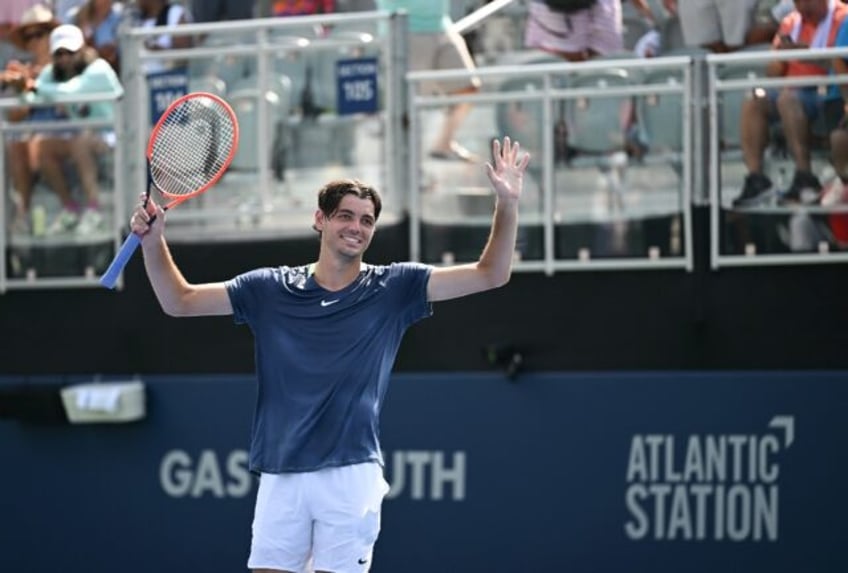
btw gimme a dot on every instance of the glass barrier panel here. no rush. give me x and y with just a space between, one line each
61 176
779 198
311 100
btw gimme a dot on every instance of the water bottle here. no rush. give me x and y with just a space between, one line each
39 221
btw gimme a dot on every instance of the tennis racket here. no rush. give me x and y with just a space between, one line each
189 150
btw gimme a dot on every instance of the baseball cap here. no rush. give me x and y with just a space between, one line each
67 37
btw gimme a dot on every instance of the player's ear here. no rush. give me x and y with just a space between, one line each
318 225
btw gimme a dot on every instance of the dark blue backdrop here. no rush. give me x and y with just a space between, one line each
487 475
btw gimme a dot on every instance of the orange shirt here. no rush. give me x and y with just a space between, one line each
805 36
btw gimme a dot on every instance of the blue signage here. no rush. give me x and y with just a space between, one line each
165 87
357 85
586 473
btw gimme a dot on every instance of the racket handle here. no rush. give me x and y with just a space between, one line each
110 277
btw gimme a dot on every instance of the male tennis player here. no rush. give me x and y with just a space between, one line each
326 337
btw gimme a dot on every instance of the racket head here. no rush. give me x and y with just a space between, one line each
191 146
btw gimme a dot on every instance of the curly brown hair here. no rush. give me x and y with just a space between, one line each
332 193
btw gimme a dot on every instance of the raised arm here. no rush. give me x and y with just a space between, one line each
177 296
495 264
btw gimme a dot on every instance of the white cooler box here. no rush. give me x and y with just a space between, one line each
104 402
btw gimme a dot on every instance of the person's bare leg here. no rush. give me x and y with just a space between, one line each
21 170
754 130
796 127
52 154
839 152
83 154
719 47
453 119
581 56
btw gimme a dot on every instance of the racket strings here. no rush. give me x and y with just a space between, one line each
192 147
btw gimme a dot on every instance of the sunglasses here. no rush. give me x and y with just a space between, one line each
61 52
32 35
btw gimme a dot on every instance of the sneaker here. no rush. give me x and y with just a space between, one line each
455 152
64 222
834 193
756 186
805 189
90 222
21 224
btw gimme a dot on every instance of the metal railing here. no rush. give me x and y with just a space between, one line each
547 77
258 44
399 164
745 72
25 251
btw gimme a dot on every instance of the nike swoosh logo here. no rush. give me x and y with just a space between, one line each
362 561
329 302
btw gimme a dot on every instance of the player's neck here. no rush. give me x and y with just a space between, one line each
336 274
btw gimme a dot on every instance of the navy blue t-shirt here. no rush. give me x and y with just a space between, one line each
323 360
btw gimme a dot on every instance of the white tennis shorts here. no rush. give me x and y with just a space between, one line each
326 520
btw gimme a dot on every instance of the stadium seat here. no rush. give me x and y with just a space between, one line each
596 125
660 115
244 98
522 120
633 28
291 62
210 84
227 67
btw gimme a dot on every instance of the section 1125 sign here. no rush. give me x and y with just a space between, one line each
357 85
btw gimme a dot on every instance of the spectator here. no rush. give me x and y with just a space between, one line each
64 9
355 5
571 31
813 24
10 14
434 46
767 20
302 7
286 8
30 35
34 23
154 13
219 10
717 25
100 21
580 33
836 190
76 70
839 136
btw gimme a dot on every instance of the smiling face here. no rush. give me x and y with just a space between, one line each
347 231
346 218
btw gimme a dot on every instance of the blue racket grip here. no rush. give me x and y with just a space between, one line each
110 277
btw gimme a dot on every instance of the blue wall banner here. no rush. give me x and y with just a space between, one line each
357 85
660 472
165 87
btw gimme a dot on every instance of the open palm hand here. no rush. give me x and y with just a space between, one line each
507 174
